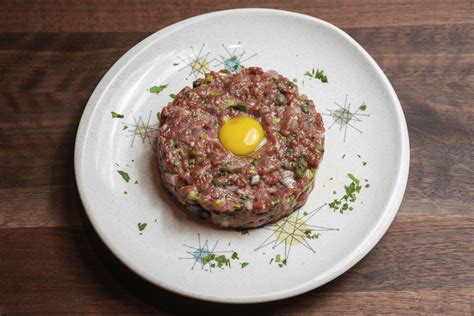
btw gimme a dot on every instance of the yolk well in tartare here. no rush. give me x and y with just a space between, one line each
241 135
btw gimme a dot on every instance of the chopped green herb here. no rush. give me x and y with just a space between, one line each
289 139
243 231
244 264
364 163
158 115
271 260
300 169
222 260
305 187
230 103
321 76
124 127
290 150
202 134
317 74
124 175
278 258
241 106
350 196
158 89
235 256
310 235
367 185
125 192
305 213
208 259
136 182
172 95
141 226
116 115
350 175
363 107
334 192
295 80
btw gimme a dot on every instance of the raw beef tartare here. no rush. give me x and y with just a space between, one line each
240 150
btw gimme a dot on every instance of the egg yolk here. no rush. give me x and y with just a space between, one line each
241 135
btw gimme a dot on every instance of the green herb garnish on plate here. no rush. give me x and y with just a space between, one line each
117 115
158 89
124 175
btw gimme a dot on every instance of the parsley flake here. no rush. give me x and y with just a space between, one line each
124 175
116 115
158 89
244 264
141 226
317 74
310 235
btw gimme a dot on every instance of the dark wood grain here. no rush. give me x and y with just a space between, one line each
52 55
68 268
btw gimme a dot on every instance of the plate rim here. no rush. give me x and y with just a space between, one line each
363 248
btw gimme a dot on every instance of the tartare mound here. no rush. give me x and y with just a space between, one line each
240 191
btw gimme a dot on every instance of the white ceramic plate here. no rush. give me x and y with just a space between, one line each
171 250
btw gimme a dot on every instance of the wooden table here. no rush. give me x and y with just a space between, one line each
52 55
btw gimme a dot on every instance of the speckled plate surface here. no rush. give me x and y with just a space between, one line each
366 135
